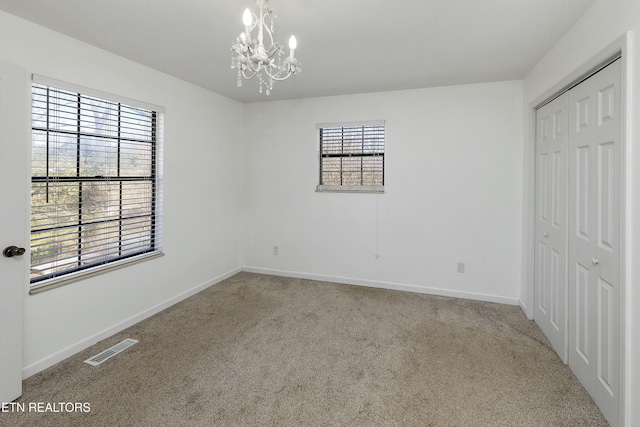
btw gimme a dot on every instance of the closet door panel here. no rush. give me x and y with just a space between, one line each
595 132
606 250
551 223
582 303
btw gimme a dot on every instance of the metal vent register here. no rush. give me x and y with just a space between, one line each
110 352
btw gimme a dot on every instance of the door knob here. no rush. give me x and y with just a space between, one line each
11 251
546 234
595 261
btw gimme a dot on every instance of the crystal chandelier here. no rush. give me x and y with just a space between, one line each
252 58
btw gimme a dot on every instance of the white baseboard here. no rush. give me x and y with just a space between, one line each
523 307
59 356
386 285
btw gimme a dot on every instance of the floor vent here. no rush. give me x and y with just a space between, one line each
110 352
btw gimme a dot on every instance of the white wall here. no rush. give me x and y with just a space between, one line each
202 185
452 192
604 22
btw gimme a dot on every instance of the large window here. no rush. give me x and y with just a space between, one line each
352 157
94 182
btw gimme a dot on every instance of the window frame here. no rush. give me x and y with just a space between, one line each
155 179
349 188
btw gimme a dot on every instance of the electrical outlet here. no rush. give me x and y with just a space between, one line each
461 267
276 250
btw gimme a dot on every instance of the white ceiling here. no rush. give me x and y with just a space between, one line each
345 46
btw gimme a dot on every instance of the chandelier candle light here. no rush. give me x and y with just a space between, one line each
252 58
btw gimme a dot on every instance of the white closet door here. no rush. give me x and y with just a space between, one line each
551 223
594 237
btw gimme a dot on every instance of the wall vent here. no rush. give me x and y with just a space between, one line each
110 352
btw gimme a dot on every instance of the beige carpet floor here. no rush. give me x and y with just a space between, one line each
259 350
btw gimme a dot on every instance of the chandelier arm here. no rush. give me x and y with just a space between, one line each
255 67
266 28
277 77
254 24
249 76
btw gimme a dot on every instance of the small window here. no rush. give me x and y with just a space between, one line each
93 182
352 157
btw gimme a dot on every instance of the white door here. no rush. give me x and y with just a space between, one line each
14 215
595 108
551 222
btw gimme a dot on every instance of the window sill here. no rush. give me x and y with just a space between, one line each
67 279
372 189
